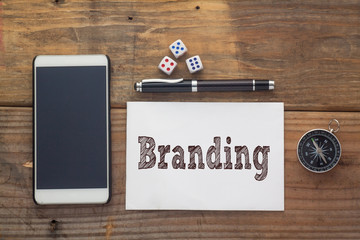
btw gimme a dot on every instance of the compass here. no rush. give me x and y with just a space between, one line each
319 150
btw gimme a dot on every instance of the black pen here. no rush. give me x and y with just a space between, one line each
188 85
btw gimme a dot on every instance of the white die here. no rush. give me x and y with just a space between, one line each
167 65
194 64
178 48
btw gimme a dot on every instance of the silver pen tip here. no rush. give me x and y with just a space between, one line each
137 87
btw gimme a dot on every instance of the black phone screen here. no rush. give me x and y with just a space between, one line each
71 136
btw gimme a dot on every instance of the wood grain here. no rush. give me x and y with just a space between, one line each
310 48
316 205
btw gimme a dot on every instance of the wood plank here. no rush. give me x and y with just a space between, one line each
309 48
316 205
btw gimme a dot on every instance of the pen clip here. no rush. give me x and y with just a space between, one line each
156 80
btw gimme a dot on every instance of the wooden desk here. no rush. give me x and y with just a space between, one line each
311 50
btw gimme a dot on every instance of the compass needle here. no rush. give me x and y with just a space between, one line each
322 156
318 150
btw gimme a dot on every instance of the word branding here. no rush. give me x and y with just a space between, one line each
148 156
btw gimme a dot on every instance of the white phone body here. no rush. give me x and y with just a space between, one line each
71 129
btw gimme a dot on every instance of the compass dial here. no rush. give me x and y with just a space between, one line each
319 150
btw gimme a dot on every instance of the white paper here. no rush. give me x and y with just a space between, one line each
202 124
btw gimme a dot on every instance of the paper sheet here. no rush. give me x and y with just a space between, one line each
205 156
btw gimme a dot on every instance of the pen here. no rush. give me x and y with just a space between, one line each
188 85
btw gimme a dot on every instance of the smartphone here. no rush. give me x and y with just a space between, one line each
71 129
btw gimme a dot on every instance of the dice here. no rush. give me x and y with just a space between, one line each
167 65
178 48
194 64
